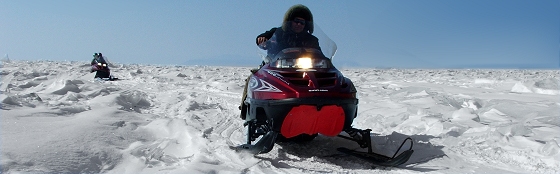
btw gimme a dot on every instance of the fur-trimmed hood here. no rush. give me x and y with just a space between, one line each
301 11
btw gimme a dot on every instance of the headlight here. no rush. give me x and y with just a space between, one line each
301 63
304 62
99 64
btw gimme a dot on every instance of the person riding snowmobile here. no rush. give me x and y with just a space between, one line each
296 31
297 94
100 66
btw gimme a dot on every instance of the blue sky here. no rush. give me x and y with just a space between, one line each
369 33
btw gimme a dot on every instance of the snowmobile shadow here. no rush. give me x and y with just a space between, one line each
323 150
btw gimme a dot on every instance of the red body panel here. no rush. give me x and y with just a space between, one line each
306 119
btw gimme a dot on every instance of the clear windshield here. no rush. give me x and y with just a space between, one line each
269 49
101 60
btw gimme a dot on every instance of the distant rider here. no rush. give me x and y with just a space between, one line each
100 66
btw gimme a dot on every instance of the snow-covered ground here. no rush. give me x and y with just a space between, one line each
182 119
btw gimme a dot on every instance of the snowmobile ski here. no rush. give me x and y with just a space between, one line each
382 160
107 79
264 145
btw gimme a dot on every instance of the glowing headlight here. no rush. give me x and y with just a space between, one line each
304 62
99 64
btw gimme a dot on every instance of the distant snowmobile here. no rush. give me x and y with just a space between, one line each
101 67
297 94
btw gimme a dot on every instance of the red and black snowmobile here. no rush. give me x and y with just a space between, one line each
100 66
297 93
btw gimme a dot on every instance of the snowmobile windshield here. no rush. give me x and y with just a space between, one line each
278 53
101 60
300 58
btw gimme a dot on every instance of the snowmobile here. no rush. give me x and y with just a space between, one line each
101 68
296 94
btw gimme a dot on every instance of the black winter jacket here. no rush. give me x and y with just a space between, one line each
290 39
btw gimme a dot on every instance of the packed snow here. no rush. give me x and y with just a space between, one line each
56 118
